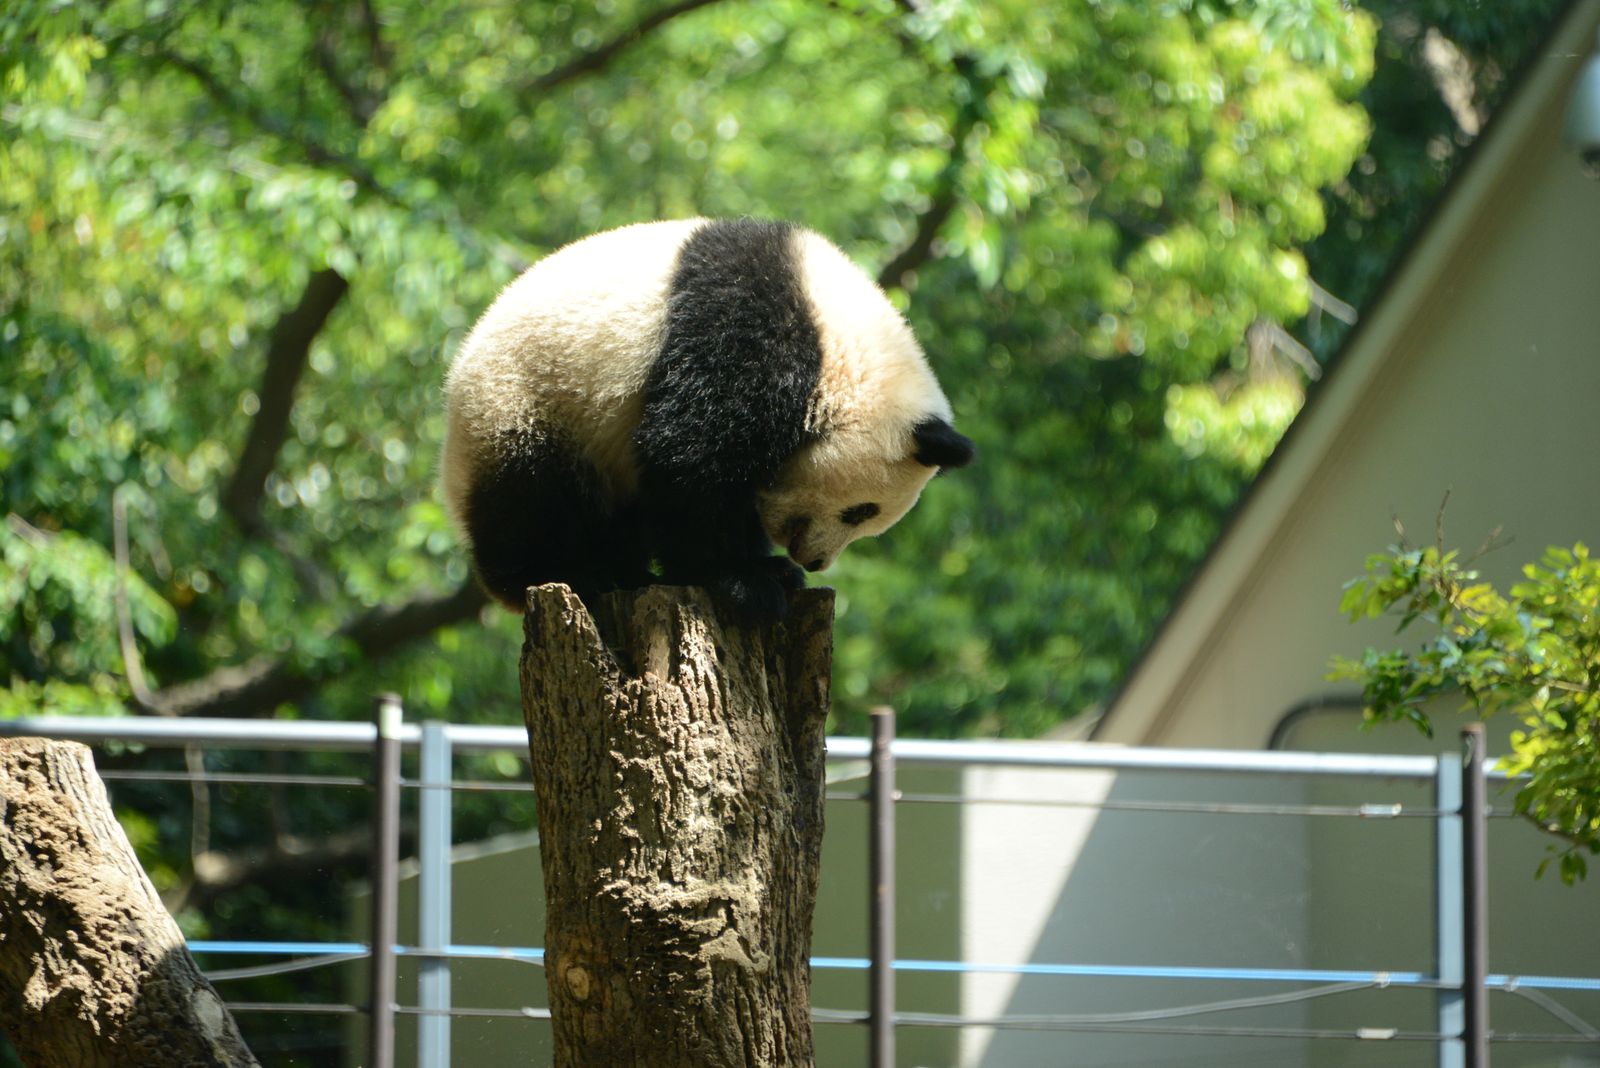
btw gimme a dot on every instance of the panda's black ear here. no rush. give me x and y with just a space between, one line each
938 444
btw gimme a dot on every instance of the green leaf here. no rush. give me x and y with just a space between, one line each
1519 653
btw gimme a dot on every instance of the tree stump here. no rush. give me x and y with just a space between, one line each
93 972
678 763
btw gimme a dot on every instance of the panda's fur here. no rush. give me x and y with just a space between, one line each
687 393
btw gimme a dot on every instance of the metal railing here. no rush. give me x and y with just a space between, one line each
1459 813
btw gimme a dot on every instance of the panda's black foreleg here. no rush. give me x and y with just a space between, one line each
620 549
714 539
789 575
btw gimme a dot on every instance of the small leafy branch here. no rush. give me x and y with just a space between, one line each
1533 653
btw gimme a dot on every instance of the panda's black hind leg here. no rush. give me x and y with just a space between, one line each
540 515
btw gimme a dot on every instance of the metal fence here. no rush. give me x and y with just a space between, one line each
1459 813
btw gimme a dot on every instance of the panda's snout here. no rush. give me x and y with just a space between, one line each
795 528
817 565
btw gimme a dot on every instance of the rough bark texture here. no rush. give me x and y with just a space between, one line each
679 770
93 972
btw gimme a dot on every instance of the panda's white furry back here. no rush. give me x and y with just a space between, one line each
684 394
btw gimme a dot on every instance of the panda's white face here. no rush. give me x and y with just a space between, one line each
882 423
821 505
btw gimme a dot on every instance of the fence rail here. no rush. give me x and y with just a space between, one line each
1458 812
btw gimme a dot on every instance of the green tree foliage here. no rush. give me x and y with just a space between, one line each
1442 67
240 243
1533 653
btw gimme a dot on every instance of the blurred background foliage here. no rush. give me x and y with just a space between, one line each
1107 224
239 243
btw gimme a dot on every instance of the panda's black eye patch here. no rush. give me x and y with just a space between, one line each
857 514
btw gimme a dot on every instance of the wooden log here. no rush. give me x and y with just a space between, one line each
93 971
678 763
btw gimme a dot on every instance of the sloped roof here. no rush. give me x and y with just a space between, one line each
1153 692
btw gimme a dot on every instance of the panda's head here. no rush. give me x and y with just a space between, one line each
845 486
879 423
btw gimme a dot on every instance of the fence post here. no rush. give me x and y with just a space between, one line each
433 896
1475 896
880 912
1448 879
387 714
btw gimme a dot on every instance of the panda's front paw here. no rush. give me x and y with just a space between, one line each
754 595
789 575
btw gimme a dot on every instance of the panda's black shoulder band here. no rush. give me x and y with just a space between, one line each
726 400
938 444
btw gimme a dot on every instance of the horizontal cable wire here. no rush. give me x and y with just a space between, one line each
299 964
1384 810
527 1012
1051 1023
244 777
1206 1008
1549 1004
264 779
467 786
315 1008
535 955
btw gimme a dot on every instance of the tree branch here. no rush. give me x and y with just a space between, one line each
598 58
1341 310
1555 830
257 687
288 857
360 105
920 249
132 662
365 95
288 346
1451 72
946 188
381 58
1264 338
315 152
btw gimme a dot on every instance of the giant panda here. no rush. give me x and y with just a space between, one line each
687 393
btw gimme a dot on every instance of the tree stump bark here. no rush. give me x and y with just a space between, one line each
678 763
93 971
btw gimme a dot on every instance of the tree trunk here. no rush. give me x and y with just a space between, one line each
678 764
93 972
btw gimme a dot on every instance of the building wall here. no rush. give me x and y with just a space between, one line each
1118 883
